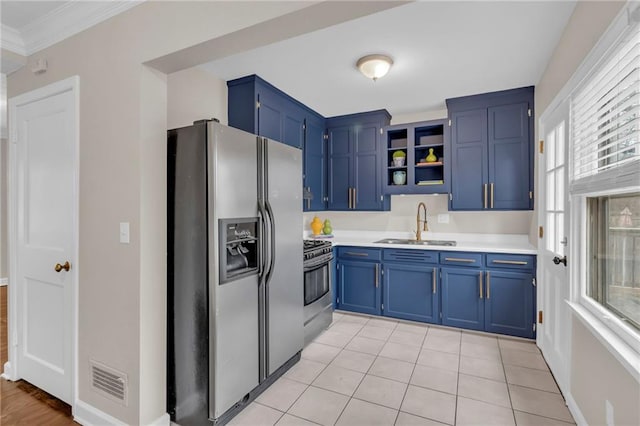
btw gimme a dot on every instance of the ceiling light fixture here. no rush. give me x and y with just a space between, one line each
374 66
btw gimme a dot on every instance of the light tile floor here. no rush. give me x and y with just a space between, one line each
374 371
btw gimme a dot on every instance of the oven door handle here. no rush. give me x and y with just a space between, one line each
316 264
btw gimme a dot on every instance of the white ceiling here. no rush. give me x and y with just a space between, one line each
17 14
440 50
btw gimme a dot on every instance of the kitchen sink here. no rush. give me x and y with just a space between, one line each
417 243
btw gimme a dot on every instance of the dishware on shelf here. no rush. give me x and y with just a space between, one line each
399 178
398 162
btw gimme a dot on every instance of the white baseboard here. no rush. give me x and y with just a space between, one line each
163 420
4 281
7 373
575 410
88 415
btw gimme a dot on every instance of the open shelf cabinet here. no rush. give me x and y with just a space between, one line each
426 169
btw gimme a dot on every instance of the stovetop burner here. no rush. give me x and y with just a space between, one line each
316 248
312 244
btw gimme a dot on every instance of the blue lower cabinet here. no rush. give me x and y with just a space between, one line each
411 292
462 302
359 287
509 303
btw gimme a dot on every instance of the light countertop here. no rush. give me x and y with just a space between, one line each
488 243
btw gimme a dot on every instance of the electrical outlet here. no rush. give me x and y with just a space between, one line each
443 218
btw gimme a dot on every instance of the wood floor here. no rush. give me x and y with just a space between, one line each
20 402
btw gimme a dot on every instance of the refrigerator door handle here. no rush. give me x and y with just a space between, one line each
262 260
262 256
271 243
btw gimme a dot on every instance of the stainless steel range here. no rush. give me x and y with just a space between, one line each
318 299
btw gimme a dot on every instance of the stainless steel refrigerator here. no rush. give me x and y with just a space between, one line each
235 280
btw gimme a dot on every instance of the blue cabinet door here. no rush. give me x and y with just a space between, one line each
359 286
315 165
509 303
509 157
269 114
293 119
469 159
410 291
340 165
367 170
462 305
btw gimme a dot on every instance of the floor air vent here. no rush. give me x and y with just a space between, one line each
109 382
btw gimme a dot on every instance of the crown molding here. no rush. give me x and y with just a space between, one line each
63 22
12 40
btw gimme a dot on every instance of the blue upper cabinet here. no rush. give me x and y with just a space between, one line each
355 161
492 151
469 157
425 169
260 108
315 164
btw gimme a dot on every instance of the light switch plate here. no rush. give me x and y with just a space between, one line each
124 232
443 218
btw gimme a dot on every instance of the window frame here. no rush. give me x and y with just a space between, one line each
580 283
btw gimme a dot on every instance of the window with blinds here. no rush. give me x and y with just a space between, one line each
605 113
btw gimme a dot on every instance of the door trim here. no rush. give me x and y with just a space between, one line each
12 367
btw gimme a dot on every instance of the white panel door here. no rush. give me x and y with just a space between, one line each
554 333
44 145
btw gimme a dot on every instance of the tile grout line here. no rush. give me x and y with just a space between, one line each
506 379
455 407
409 383
357 387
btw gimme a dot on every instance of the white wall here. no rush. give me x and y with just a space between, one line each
402 218
195 94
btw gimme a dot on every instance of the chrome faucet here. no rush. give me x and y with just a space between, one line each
425 229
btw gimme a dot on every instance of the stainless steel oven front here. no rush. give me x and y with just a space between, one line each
318 300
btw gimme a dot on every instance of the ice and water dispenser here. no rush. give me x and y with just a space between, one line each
239 248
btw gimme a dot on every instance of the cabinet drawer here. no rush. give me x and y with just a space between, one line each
400 255
361 253
511 261
472 260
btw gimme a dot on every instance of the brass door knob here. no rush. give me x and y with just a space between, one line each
60 267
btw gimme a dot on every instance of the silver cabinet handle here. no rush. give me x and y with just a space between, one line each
480 283
491 194
309 199
510 262
488 285
377 274
349 197
355 198
484 190
355 253
457 259
433 281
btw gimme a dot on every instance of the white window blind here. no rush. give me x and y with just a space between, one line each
605 112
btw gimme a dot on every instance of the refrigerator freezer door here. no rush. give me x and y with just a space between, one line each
285 285
233 171
187 290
